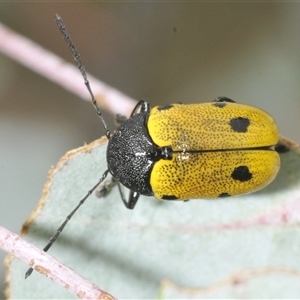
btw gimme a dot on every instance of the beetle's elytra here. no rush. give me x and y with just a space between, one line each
179 152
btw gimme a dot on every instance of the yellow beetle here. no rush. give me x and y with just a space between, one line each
207 150
180 152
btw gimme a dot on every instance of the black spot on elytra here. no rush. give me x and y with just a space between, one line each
224 195
165 106
169 197
241 173
239 124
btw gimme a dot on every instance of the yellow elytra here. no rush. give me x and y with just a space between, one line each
219 149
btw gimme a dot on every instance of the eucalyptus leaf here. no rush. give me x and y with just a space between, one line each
241 247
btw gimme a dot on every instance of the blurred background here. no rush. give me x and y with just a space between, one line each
163 52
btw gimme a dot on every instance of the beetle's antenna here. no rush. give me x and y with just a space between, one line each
107 133
80 65
68 218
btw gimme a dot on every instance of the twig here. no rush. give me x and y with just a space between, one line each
50 267
64 74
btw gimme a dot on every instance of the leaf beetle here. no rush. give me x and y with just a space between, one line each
186 151
191 151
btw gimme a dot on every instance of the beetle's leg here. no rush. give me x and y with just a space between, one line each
224 99
142 105
133 197
105 187
120 119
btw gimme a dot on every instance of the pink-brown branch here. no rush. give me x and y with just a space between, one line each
50 267
51 66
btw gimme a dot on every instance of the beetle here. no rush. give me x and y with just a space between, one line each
186 151
190 151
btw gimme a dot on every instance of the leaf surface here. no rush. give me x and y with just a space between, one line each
245 247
